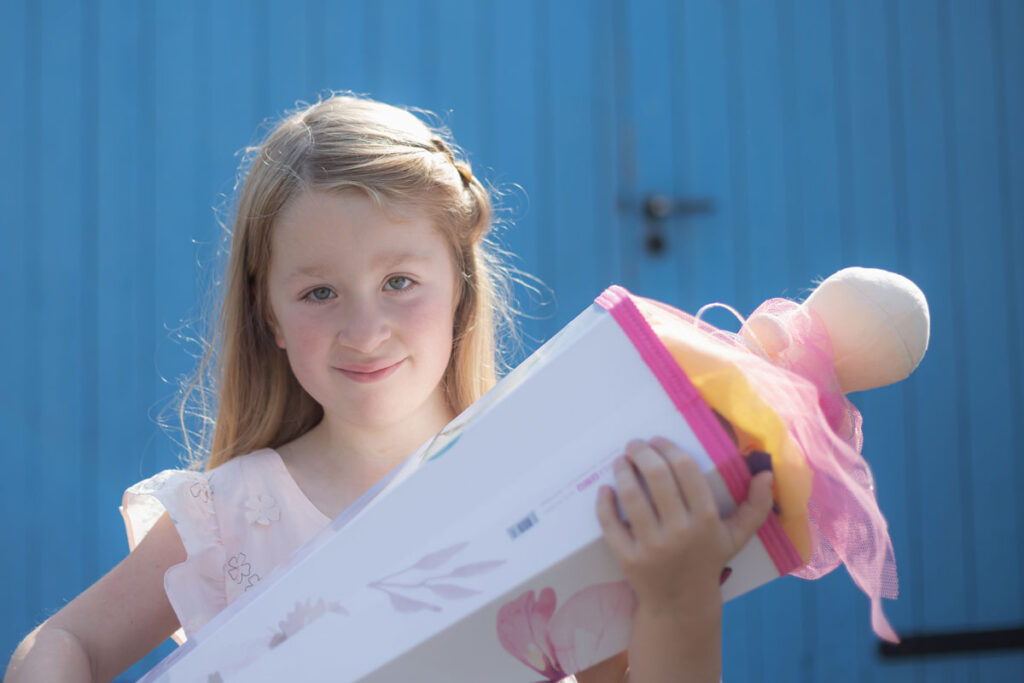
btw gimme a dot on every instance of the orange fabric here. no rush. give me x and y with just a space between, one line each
714 369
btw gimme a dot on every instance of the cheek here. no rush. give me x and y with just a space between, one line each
433 323
302 331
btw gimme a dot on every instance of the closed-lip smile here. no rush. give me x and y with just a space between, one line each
373 372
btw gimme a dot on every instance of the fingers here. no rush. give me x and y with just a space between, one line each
752 512
688 477
616 532
658 480
655 468
661 487
669 537
629 488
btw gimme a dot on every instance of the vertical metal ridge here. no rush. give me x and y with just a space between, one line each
844 134
372 33
33 186
1010 259
625 133
202 106
484 75
426 85
263 105
738 154
315 69
624 86
604 140
957 279
89 351
791 146
678 136
795 227
544 144
146 303
898 136
736 124
898 161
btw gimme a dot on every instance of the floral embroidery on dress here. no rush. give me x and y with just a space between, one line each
201 490
262 509
239 569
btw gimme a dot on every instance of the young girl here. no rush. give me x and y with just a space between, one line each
358 319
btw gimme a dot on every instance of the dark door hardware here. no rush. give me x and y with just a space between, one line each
931 644
658 207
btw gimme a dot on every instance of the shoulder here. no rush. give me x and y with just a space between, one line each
235 482
195 500
182 494
257 463
257 501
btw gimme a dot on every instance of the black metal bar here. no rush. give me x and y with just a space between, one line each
931 644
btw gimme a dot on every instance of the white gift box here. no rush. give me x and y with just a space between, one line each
482 556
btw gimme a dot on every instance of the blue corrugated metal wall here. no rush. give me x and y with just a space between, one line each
825 134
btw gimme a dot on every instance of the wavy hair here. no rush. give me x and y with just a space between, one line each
397 159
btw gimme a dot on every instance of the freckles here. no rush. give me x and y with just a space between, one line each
430 323
302 332
427 313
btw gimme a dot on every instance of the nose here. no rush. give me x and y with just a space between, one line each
365 327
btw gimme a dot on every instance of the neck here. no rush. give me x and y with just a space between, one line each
362 454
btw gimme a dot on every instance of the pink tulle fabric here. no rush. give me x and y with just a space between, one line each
800 384
846 524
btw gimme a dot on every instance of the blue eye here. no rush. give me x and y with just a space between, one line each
398 283
320 294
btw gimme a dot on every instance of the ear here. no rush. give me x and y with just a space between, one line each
275 329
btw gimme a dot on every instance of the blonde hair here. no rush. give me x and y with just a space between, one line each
342 142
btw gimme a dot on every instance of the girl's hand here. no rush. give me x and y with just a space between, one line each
672 549
674 546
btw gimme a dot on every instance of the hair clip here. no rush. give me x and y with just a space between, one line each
464 172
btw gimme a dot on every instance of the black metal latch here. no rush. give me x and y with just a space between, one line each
952 643
658 207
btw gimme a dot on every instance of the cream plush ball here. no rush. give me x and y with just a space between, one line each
878 322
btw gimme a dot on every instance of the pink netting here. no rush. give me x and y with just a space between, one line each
801 386
846 524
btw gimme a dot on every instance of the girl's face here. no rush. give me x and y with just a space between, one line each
363 304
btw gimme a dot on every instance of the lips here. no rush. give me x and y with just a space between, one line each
375 372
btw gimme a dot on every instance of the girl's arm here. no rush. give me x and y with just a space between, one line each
672 551
113 624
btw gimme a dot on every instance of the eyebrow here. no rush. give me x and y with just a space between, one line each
396 258
385 260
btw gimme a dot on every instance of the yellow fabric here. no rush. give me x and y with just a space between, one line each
710 366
